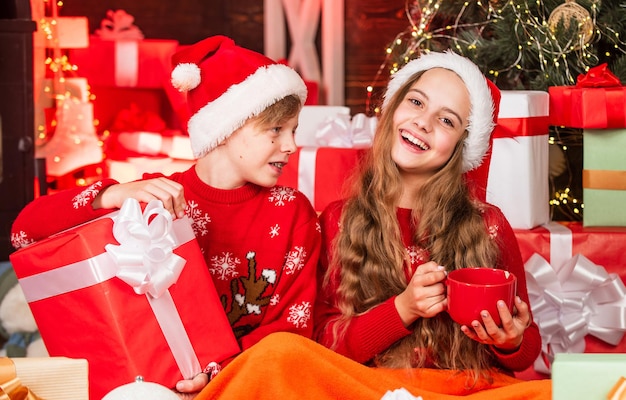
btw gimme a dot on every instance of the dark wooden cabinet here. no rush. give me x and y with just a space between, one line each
16 115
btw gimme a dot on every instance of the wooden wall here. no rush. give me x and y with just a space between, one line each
370 25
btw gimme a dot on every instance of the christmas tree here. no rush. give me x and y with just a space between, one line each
521 45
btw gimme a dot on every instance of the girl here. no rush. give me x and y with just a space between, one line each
412 218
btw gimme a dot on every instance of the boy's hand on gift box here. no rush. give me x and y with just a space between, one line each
189 388
170 193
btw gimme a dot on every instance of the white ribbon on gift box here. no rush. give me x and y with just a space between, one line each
343 131
572 297
145 260
126 63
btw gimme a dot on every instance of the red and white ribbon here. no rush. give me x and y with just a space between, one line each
145 260
572 297
126 63
145 256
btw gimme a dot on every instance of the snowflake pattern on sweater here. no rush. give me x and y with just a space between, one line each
261 246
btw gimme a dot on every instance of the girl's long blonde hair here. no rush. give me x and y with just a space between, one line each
370 256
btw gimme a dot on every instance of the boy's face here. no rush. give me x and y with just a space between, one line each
257 153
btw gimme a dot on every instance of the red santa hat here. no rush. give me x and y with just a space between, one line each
484 99
226 85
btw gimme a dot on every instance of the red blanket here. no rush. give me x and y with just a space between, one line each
287 366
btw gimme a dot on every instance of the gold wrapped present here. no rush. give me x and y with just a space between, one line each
44 378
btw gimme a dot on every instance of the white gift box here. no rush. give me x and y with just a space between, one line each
518 173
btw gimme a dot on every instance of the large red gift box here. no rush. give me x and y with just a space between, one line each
593 253
125 63
124 72
131 294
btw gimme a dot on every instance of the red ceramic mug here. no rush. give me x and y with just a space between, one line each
472 290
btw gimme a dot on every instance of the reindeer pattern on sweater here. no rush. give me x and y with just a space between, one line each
261 246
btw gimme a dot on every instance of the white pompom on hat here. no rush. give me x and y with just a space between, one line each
226 85
484 99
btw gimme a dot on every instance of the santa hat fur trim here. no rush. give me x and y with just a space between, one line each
226 85
484 99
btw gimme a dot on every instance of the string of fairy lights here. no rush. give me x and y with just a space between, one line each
62 96
537 32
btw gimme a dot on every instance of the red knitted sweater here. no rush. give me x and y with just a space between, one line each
370 333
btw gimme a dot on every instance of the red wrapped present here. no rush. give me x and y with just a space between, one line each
131 294
125 63
321 172
596 102
518 172
575 278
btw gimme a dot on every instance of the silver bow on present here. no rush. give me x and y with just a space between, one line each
145 257
572 300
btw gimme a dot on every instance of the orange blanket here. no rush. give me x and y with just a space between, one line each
288 366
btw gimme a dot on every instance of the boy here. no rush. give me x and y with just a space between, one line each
261 242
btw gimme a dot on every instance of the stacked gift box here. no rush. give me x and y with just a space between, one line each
124 72
596 104
575 277
575 270
518 172
130 79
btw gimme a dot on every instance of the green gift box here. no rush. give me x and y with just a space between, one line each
604 177
586 375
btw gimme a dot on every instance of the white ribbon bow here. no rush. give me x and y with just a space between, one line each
572 300
343 131
145 257
117 25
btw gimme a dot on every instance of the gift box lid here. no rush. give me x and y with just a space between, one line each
524 103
